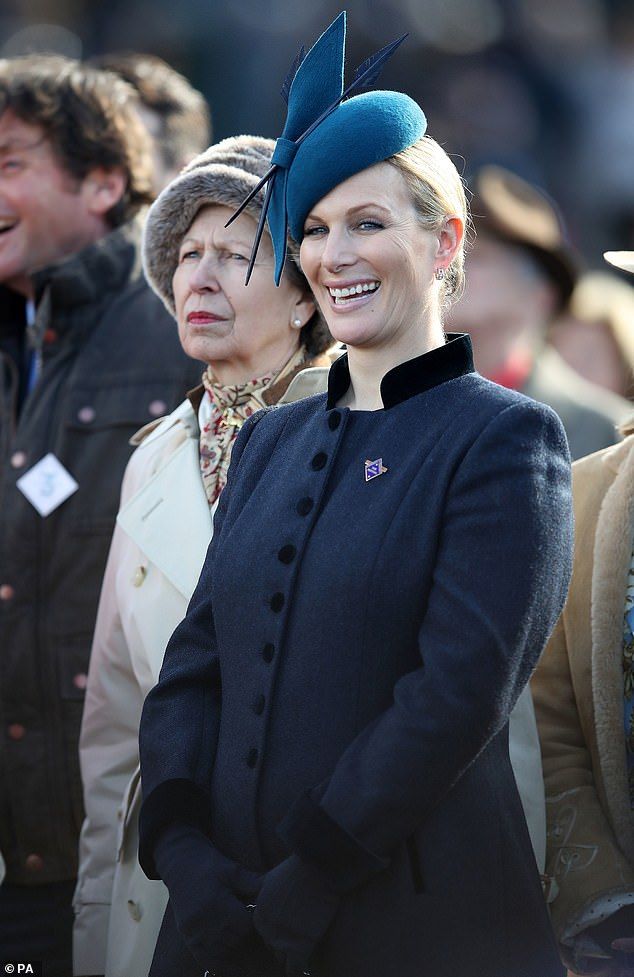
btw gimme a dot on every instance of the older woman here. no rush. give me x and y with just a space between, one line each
584 694
328 741
257 344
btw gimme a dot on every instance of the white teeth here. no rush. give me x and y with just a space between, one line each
341 293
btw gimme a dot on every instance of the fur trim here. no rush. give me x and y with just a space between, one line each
612 555
224 174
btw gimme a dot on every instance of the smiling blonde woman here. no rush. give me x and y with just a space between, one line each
326 775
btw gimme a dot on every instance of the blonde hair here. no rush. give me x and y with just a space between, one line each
438 193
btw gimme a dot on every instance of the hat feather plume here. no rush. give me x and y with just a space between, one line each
288 81
368 72
312 90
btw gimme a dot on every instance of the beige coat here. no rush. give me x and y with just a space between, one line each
578 692
158 549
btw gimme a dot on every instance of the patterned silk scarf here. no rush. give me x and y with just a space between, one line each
231 406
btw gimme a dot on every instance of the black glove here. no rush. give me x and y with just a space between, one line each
208 893
295 907
615 935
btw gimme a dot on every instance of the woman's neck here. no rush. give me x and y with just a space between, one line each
369 366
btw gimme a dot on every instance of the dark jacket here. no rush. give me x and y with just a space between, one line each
590 415
111 362
371 656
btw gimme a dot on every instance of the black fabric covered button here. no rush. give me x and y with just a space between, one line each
287 554
268 652
319 461
277 602
305 505
252 758
258 705
334 420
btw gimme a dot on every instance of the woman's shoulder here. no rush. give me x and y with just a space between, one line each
155 443
486 402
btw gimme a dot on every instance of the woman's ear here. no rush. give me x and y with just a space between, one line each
449 240
303 310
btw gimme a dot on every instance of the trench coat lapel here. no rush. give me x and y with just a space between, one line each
173 536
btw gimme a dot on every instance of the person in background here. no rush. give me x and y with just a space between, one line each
87 355
263 345
595 333
325 766
583 690
521 275
175 114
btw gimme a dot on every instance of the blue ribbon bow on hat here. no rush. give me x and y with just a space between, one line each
329 137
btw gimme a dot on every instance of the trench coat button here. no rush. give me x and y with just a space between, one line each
334 420
16 731
86 414
319 461
34 863
305 505
157 408
252 758
18 459
277 602
287 554
6 591
268 652
135 910
258 705
139 576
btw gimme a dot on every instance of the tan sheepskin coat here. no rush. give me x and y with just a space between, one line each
578 694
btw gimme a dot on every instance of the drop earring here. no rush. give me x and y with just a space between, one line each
439 274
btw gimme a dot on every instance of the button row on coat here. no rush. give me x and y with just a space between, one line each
286 554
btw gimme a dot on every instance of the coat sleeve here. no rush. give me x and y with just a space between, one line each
500 579
592 877
108 757
181 716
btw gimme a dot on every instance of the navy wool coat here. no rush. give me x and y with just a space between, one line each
342 682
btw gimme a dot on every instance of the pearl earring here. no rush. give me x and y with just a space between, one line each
439 274
297 323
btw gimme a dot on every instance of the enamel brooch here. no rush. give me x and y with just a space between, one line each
373 469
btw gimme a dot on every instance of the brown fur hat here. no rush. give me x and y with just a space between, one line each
224 174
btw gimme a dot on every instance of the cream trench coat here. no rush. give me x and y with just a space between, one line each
578 691
158 548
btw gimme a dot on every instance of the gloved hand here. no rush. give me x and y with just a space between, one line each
208 893
615 935
295 907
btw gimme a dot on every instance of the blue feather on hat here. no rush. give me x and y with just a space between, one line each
329 137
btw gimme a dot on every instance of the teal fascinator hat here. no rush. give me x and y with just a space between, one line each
328 136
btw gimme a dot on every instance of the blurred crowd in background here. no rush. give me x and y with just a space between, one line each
545 87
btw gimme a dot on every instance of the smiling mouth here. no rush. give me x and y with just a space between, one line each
341 296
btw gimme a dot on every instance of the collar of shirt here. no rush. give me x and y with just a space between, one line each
413 377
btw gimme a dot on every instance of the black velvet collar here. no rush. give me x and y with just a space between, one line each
454 359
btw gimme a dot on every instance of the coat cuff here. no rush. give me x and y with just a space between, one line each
172 802
313 835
